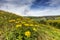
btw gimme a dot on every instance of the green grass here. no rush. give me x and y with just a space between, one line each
12 27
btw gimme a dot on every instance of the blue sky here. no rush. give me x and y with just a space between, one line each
31 7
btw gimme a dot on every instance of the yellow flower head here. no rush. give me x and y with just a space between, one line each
18 19
0 32
19 25
31 25
34 29
36 25
26 24
23 22
16 22
27 33
11 20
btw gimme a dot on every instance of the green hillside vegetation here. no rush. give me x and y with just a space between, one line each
14 27
48 20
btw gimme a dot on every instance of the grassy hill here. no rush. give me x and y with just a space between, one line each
14 27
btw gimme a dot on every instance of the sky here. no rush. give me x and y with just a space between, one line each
31 7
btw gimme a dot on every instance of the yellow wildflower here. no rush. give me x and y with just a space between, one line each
26 24
0 32
11 20
34 29
27 33
31 25
18 19
19 25
17 22
23 22
46 32
36 25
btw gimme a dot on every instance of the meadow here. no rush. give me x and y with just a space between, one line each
15 27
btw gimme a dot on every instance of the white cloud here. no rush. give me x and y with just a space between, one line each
24 9
55 3
46 12
49 11
19 8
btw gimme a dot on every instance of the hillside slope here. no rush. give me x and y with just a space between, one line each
14 27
